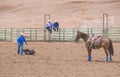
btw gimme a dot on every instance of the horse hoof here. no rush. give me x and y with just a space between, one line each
89 58
106 58
106 62
110 58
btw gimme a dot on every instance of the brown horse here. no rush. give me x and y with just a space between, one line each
104 42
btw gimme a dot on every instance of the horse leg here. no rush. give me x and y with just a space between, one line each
106 54
110 56
89 55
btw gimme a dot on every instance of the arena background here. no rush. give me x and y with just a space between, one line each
57 59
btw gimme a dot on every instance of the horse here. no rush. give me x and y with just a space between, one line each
103 42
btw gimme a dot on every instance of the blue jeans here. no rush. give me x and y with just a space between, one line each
20 49
49 29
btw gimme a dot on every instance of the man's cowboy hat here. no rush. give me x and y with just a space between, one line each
22 34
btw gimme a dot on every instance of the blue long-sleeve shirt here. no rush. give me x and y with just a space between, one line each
49 25
56 24
21 40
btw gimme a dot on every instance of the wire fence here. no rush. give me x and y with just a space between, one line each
63 35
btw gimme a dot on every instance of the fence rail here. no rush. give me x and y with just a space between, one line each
36 34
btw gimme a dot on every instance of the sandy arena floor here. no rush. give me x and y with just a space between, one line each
56 59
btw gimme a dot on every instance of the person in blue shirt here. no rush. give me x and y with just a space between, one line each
49 26
20 41
55 26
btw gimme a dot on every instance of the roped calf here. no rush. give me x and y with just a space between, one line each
29 52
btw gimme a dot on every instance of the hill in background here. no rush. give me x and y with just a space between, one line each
69 13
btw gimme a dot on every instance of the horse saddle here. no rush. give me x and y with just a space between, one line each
29 52
95 42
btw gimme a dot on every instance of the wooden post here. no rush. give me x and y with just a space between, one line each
46 18
105 24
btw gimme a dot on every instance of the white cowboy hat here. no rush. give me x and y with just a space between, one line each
49 20
55 20
22 34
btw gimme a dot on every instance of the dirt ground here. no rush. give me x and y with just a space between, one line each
57 59
69 13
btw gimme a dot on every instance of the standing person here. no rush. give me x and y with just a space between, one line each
20 41
49 26
55 26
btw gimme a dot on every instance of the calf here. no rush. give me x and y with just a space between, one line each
29 52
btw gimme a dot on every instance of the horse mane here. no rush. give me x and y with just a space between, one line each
85 36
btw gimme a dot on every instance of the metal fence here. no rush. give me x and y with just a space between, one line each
36 34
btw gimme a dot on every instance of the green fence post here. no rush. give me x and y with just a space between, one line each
30 34
44 34
17 33
59 34
11 35
107 32
88 30
91 30
63 34
73 34
36 33
23 30
103 32
5 34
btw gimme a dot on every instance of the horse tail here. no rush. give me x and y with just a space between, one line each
110 48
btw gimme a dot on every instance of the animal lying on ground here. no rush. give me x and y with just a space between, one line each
29 52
